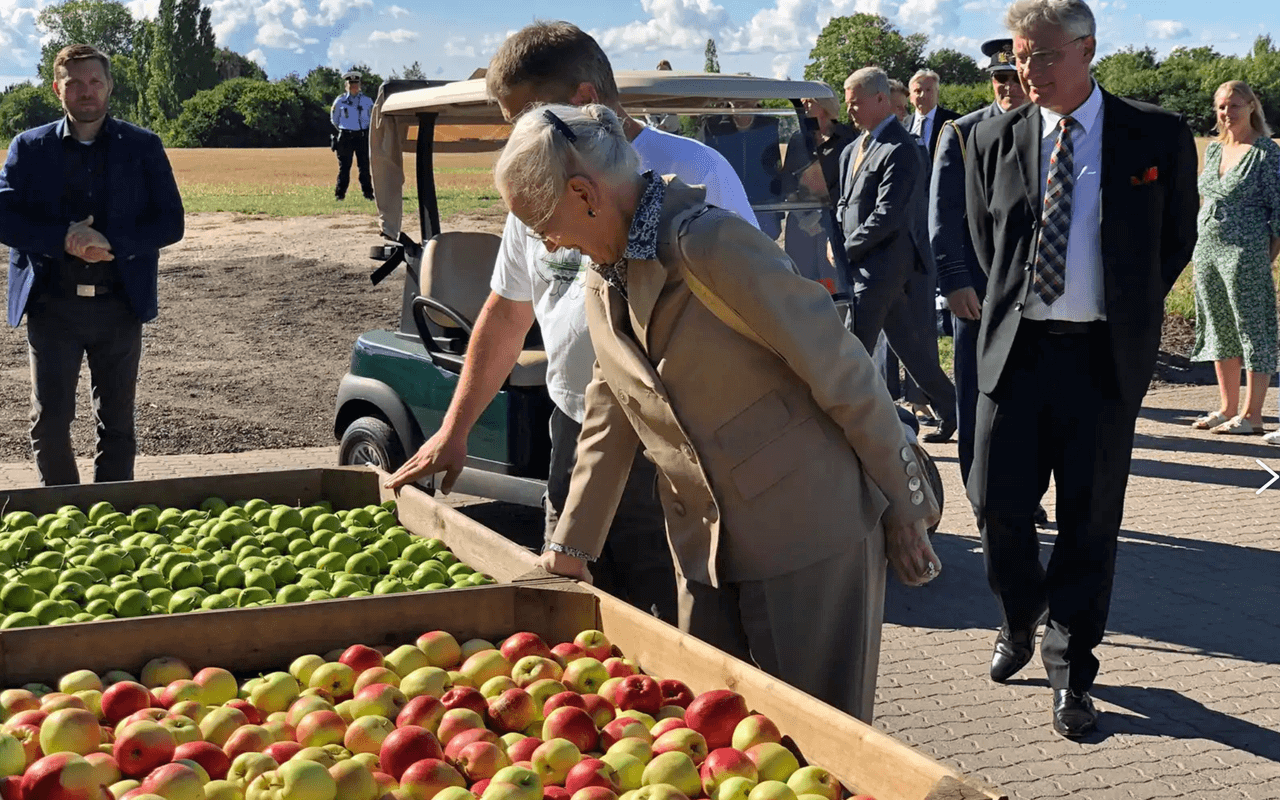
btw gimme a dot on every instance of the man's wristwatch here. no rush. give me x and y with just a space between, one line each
556 547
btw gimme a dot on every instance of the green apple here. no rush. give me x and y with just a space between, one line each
185 575
282 571
132 603
17 597
257 578
229 576
20 619
254 594
160 597
674 768
216 601
293 593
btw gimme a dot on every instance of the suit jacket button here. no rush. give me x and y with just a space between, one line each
1017 306
687 452
678 507
906 453
623 398
913 469
917 498
913 484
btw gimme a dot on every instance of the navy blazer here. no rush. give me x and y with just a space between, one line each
145 210
1148 228
948 230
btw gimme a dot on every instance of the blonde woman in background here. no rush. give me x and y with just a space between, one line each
1239 227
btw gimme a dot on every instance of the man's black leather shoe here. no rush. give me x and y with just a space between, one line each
943 433
1073 713
1011 654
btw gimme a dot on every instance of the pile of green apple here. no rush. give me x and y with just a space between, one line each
432 720
81 566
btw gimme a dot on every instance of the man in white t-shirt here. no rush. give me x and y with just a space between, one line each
557 62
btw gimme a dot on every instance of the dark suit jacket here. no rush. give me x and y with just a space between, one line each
882 209
1148 229
940 116
145 211
948 229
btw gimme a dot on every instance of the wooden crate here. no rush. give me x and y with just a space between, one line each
345 487
269 638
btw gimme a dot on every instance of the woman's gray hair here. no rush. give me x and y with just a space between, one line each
552 143
1073 17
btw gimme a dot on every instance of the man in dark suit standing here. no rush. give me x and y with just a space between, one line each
960 280
882 212
1082 209
86 203
929 117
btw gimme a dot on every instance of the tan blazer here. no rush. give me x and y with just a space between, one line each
765 466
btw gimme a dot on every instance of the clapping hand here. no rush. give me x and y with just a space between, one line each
87 244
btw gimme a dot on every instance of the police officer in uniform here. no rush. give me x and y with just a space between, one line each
350 117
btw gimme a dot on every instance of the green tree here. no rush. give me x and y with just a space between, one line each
25 106
229 64
713 59
413 72
240 113
954 67
180 63
105 24
863 40
965 97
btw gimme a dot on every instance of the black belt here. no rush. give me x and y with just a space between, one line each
93 290
1062 327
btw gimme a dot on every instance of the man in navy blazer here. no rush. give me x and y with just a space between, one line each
86 203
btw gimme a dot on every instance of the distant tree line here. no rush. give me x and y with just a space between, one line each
1183 82
171 76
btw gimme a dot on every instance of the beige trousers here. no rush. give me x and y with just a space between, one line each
817 628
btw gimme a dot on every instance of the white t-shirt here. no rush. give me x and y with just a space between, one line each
526 272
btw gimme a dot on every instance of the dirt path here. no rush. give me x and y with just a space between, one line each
257 319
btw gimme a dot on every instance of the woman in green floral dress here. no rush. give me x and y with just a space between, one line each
1239 238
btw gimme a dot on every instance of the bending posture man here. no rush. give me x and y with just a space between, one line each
86 203
1082 207
556 62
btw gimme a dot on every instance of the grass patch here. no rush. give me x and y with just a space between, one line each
946 353
1181 299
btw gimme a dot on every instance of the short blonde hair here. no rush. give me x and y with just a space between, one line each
829 104
552 143
1256 120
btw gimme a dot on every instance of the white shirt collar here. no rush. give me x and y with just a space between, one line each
1086 115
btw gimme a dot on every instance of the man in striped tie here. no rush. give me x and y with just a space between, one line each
1082 209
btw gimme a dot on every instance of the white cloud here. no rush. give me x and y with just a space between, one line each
781 67
257 56
143 8
398 36
396 12
275 34
929 16
457 47
333 10
1167 29
672 24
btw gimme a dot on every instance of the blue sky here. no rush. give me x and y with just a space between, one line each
764 37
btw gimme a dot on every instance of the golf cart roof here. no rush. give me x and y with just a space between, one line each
650 91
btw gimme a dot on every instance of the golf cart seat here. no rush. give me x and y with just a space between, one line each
456 267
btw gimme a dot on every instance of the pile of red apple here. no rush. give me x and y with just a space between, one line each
434 720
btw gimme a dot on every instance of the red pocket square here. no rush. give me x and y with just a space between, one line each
1149 176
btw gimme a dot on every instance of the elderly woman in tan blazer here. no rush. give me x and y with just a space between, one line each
785 473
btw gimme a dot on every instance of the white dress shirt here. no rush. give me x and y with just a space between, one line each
922 127
1084 298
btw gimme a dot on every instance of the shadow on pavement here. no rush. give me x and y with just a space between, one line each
1195 596
1155 711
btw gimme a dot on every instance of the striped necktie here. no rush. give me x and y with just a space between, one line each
1055 224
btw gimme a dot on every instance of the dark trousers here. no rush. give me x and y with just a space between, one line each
61 332
350 142
965 361
636 564
1056 410
894 305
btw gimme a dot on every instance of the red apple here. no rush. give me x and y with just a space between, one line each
715 714
555 793
573 724
35 716
523 749
478 787
664 725
595 644
518 645
458 742
563 699
591 772
424 711
618 667
207 755
566 652
641 693
282 751
724 763
465 697
599 709
249 739
319 728
141 747
173 780
361 657
119 700
425 778
29 737
455 721
11 788
62 776
594 793
480 760
513 710
403 746
684 740
675 693
622 728
251 712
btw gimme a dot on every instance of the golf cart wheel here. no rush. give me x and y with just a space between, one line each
369 440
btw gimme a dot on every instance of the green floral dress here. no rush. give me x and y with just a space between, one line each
1235 296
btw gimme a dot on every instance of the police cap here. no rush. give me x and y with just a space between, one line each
1000 53
352 75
